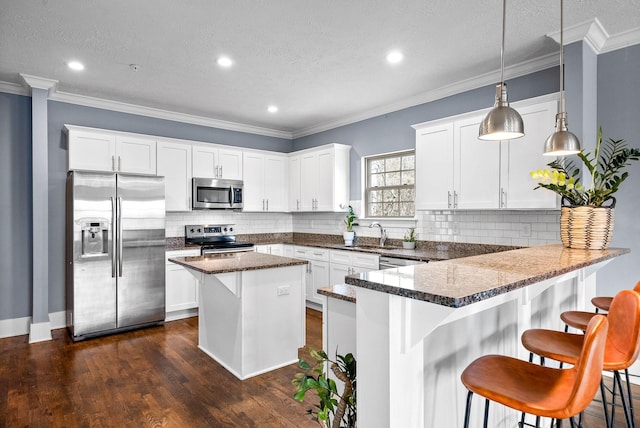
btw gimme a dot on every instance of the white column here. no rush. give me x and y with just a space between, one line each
40 329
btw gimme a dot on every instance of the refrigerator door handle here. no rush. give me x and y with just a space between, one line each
120 236
113 237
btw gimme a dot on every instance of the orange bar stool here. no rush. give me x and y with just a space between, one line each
621 350
542 391
604 303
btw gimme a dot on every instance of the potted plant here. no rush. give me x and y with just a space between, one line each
335 410
409 240
350 221
586 218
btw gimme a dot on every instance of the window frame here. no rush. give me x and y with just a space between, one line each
367 179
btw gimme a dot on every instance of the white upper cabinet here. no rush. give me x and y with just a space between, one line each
434 167
521 156
324 178
294 183
174 163
216 162
476 167
265 181
98 150
135 154
456 170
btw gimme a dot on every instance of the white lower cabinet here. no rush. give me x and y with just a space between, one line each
317 273
274 249
345 263
181 288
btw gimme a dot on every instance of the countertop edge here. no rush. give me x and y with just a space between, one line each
458 302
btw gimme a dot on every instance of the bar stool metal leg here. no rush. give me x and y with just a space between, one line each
468 410
630 397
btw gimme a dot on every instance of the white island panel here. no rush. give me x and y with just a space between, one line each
252 322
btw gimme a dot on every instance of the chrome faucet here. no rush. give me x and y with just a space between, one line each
383 233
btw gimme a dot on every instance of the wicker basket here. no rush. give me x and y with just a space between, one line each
586 227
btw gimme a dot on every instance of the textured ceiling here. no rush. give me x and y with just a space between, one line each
319 61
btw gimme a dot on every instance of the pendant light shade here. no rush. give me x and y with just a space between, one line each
561 142
502 122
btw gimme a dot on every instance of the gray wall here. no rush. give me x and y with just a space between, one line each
15 206
619 116
392 131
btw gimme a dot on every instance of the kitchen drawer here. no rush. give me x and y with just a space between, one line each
181 253
355 259
343 257
365 261
311 253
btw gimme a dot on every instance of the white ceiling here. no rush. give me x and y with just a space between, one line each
320 62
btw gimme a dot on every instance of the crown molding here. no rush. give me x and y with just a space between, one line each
13 88
122 107
492 77
35 82
596 37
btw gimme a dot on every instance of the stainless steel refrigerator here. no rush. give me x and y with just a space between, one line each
115 252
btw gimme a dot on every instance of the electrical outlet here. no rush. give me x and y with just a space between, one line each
525 230
283 290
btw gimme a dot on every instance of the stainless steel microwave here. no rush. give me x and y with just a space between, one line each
211 194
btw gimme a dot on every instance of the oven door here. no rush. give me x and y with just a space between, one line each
216 194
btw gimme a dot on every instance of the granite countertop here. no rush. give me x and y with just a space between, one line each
425 251
344 292
460 282
235 262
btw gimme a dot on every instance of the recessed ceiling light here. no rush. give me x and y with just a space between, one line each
272 109
75 65
224 61
394 57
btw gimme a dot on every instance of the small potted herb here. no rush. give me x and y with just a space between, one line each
349 221
409 240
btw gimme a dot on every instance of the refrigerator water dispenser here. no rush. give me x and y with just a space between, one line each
95 238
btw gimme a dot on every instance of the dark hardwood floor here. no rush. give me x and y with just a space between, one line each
156 377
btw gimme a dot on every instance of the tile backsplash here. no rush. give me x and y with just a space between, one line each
245 223
485 227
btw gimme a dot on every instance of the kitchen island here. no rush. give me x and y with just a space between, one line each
251 309
419 326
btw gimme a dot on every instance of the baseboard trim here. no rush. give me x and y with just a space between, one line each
14 327
40 332
21 326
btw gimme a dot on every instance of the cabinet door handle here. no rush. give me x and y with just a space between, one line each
503 198
449 199
215 171
220 171
297 204
455 199
119 163
263 205
267 204
113 163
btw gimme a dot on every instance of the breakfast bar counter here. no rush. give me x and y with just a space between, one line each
251 309
419 326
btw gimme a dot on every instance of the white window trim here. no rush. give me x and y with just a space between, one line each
363 188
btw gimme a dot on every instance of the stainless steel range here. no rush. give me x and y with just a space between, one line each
215 238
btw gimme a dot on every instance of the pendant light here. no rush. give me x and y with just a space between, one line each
502 122
561 142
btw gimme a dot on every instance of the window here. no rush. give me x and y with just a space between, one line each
390 185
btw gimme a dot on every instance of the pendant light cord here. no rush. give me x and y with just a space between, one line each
561 59
504 24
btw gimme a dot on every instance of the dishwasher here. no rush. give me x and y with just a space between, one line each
394 262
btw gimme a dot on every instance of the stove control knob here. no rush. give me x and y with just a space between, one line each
231 229
192 230
199 230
